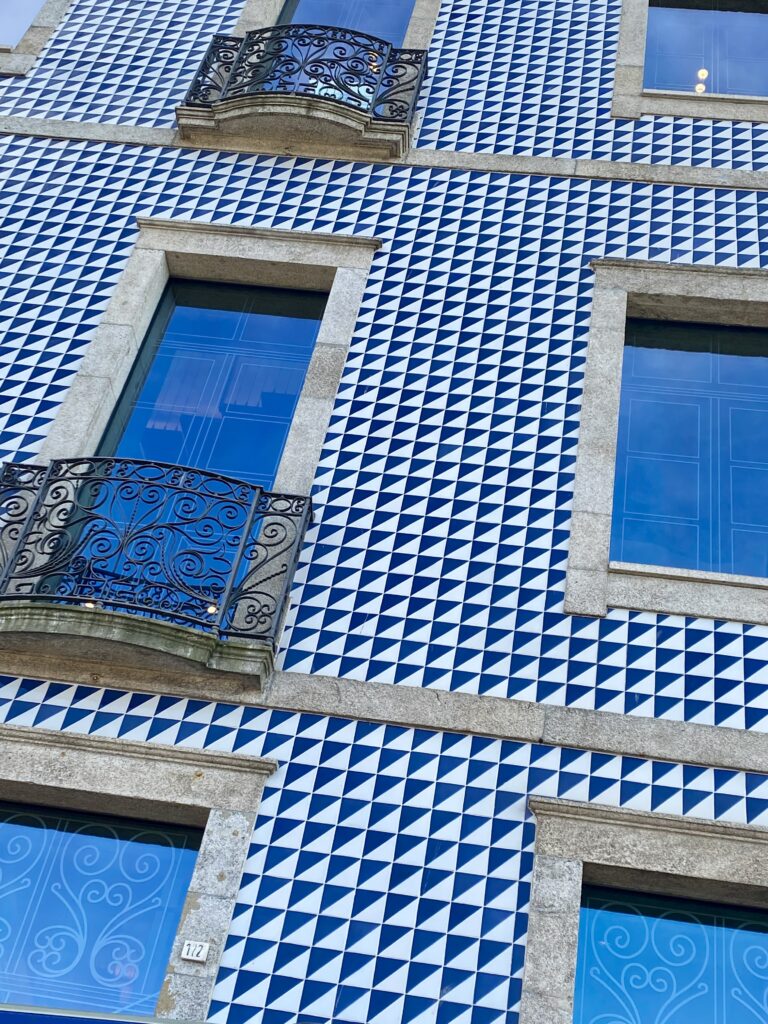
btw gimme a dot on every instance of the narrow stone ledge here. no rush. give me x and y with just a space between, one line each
492 163
153 780
417 708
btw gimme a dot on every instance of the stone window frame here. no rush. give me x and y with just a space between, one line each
336 264
217 791
632 100
665 291
19 59
263 13
643 851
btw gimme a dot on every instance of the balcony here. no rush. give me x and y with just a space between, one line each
330 91
141 563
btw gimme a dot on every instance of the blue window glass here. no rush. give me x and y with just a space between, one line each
385 19
89 908
657 960
218 379
15 18
692 453
707 46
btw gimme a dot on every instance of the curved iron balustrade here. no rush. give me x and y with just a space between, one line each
336 64
166 542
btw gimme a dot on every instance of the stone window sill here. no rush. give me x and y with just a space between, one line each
712 595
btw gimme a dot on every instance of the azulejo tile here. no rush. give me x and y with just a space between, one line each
389 873
444 487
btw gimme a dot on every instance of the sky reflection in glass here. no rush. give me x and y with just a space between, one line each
89 908
218 379
656 960
729 47
15 18
385 19
691 484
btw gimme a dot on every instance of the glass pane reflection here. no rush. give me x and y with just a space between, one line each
15 18
692 453
89 907
385 19
218 379
720 46
657 960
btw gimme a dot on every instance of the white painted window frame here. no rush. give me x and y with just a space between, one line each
639 851
632 100
722 295
19 59
214 790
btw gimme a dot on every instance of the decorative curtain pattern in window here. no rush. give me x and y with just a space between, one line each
385 19
649 960
692 454
89 908
709 46
218 378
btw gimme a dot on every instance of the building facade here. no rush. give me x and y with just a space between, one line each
384 595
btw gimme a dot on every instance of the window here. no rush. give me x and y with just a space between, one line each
707 46
668 508
289 281
386 19
692 58
649 958
94 910
692 455
90 908
222 346
660 918
15 19
218 379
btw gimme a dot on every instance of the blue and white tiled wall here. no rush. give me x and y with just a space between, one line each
529 77
445 484
389 872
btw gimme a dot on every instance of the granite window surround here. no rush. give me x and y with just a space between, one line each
217 791
20 59
641 851
632 100
652 290
335 264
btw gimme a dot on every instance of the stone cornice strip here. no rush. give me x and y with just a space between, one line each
127 775
492 163
577 811
714 746
501 718
188 756
162 224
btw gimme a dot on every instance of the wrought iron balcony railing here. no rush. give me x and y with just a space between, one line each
345 68
176 545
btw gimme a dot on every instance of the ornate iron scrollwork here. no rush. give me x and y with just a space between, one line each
165 542
400 85
334 64
213 74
